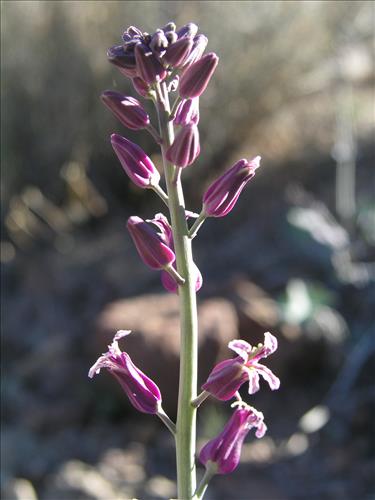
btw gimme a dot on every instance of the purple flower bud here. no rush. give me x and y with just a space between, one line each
158 43
228 376
222 453
185 147
135 162
154 252
222 195
128 110
177 52
199 46
197 76
148 67
187 112
190 29
125 61
169 27
142 392
140 86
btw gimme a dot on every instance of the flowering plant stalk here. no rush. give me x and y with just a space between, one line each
161 64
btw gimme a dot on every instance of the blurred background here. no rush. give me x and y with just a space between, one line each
295 85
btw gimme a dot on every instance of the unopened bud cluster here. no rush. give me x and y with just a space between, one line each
170 61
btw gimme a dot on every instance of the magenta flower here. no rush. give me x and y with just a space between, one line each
142 392
222 195
228 376
196 77
185 148
187 112
151 246
135 162
128 110
222 454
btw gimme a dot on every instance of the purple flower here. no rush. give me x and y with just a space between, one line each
135 162
151 246
143 393
128 110
222 195
185 148
187 112
165 233
197 76
222 454
228 376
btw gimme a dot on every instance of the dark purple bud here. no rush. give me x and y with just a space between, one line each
222 195
222 454
128 110
125 61
154 252
142 392
189 29
135 162
169 27
140 86
196 77
148 67
171 36
187 112
185 147
177 52
158 42
133 31
199 46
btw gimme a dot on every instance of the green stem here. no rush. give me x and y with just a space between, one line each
197 224
159 191
167 421
201 490
199 400
186 413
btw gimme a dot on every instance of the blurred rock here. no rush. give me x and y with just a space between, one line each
160 487
155 343
19 489
78 480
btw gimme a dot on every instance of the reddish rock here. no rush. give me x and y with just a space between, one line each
154 344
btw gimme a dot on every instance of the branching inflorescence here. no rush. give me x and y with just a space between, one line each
171 62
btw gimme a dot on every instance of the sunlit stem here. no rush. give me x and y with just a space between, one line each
197 224
152 130
172 271
160 192
186 413
167 421
174 108
201 490
199 400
